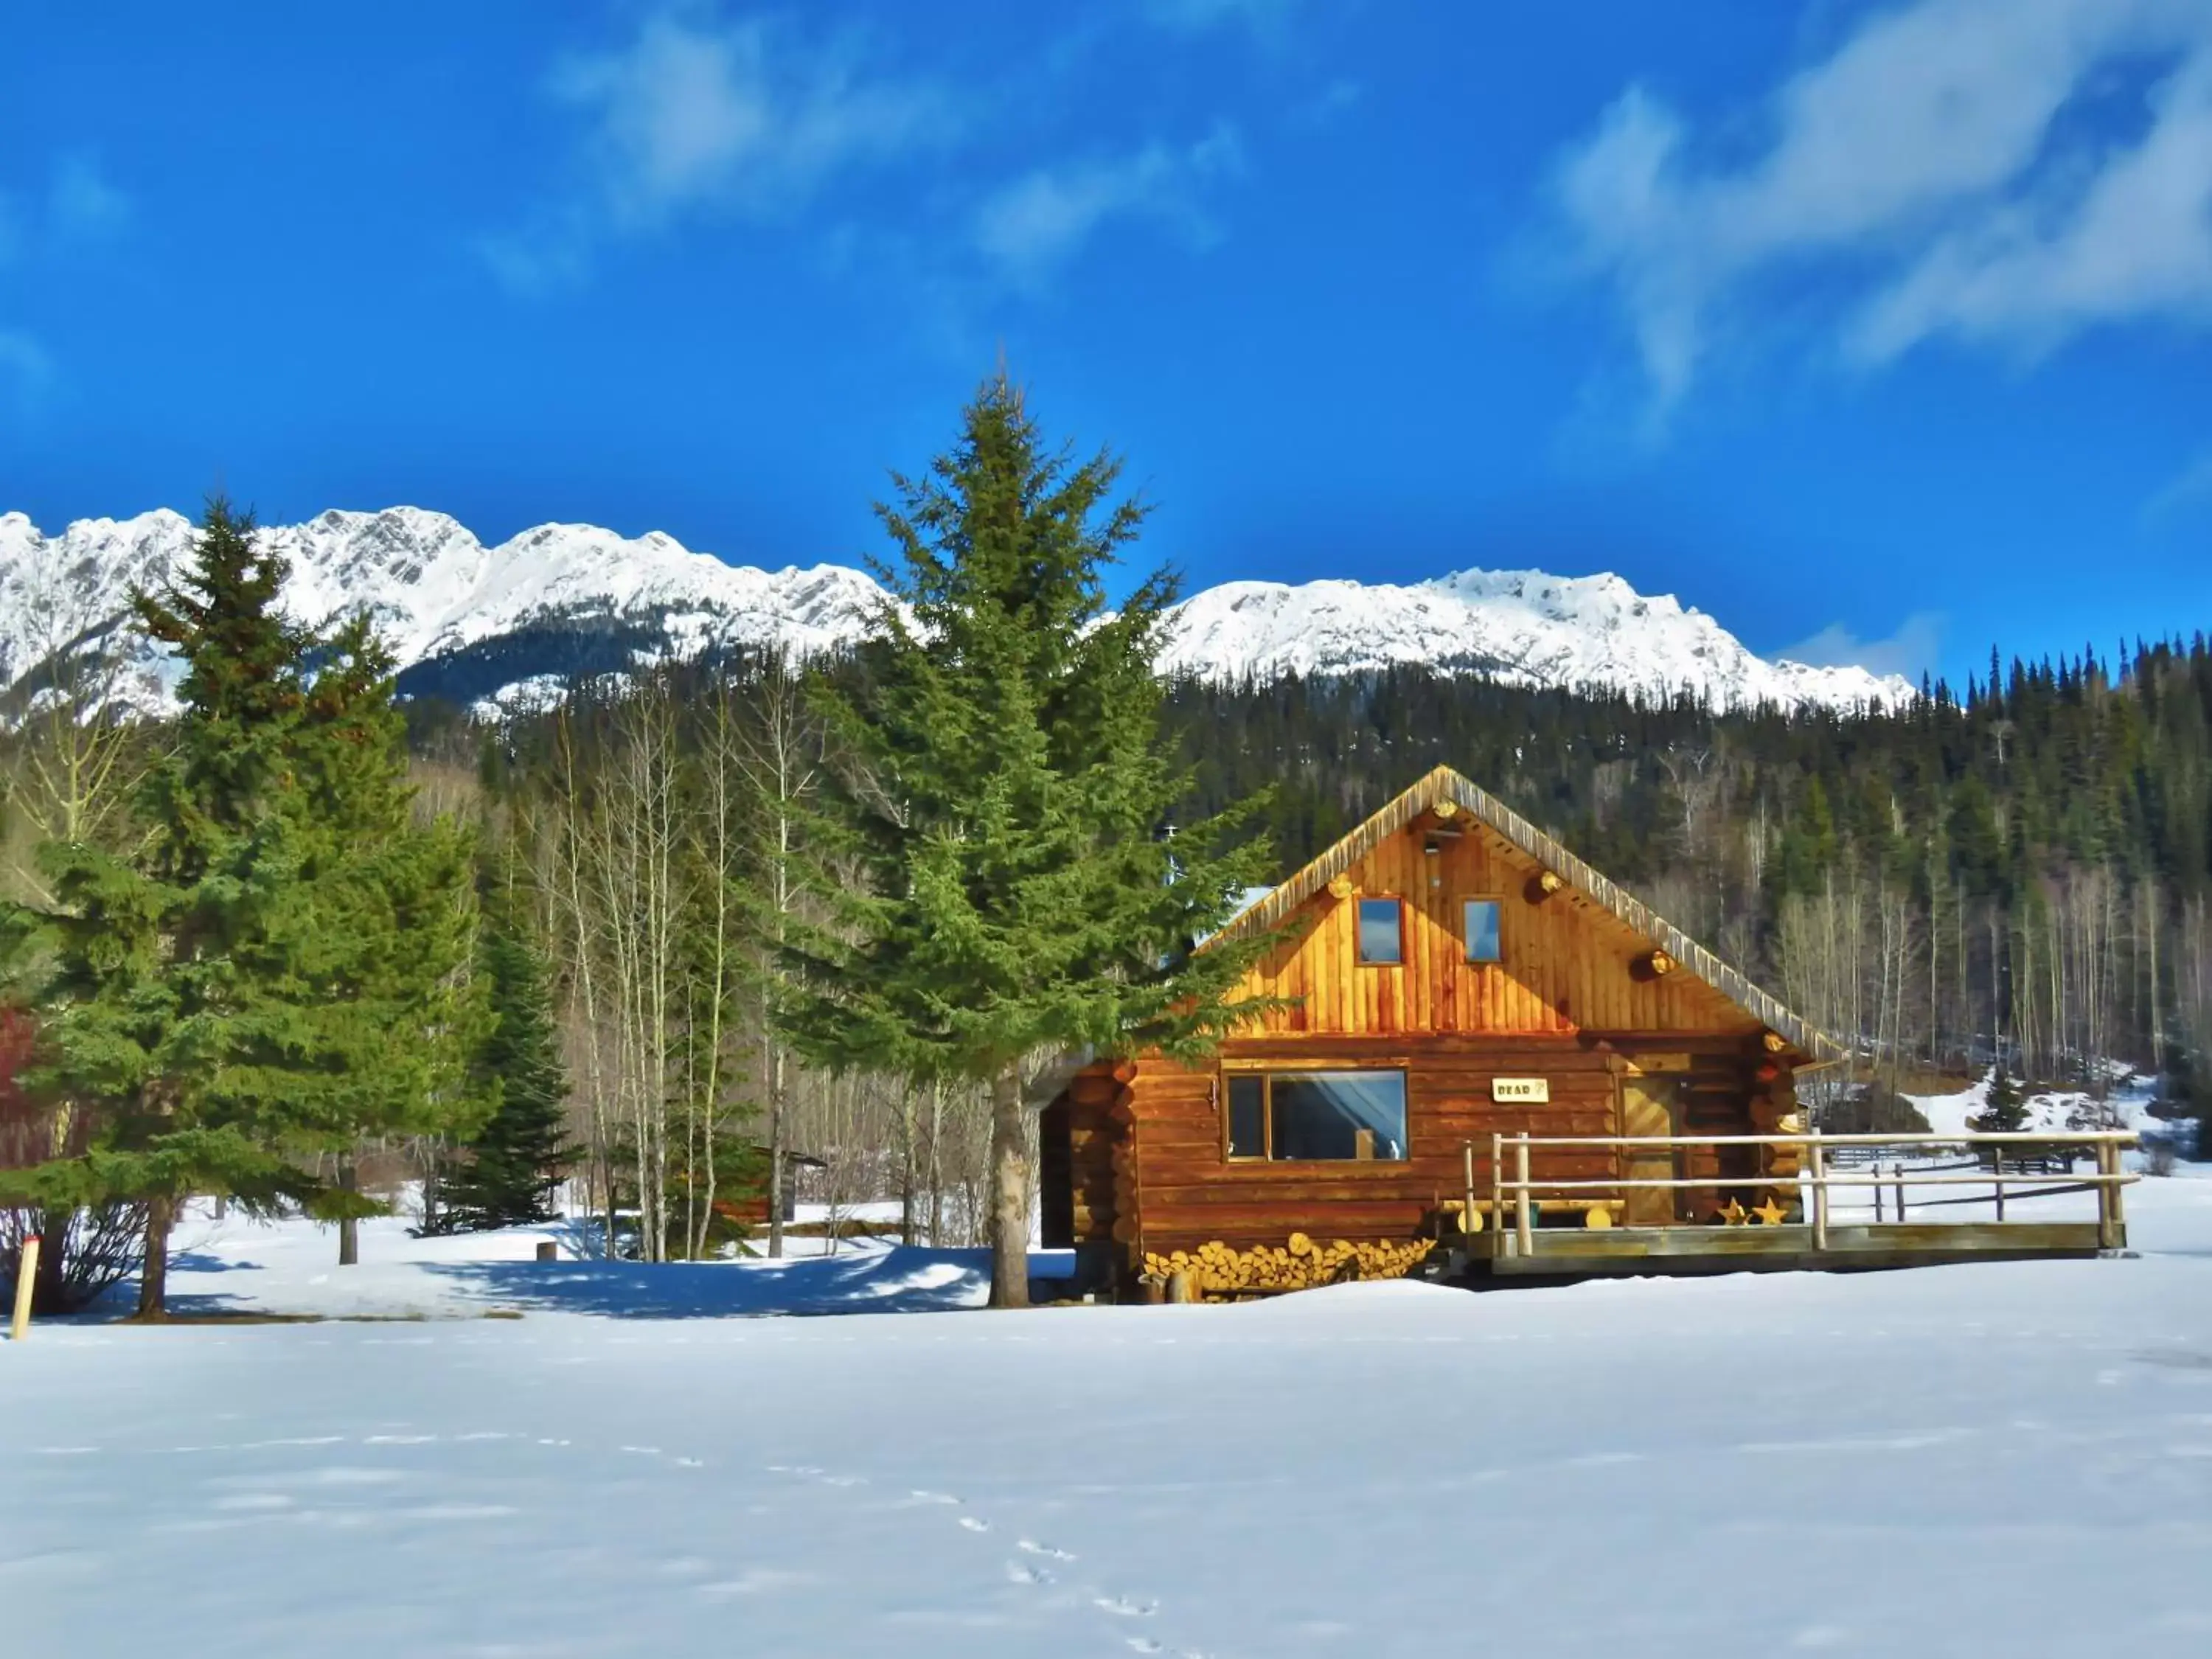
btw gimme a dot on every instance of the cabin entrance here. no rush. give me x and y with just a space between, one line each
1649 1106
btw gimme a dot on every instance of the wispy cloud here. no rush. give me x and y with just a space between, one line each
1912 650
76 206
2007 172
81 202
1194 16
1036 224
697 114
25 369
2189 491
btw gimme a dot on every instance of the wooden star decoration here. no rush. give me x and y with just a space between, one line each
1732 1213
1769 1213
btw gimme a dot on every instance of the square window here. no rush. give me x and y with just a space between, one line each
1482 923
1247 1116
1350 1116
1382 937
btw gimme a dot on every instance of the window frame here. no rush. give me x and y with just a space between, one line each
1265 1072
1465 944
1360 929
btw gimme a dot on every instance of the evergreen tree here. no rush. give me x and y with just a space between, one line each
376 975
152 967
2005 1108
516 1158
279 967
1013 806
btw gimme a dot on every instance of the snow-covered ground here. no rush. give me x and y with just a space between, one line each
2050 1111
1989 1460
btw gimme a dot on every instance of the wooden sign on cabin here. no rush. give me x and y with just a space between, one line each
1533 1091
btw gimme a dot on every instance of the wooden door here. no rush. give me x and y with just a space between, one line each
1647 1108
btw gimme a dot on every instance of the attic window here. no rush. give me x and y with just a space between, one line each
1382 931
1483 917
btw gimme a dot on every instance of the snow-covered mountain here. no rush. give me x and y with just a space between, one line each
514 622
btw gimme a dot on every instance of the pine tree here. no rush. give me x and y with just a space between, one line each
516 1158
375 967
152 976
1013 806
2005 1108
280 965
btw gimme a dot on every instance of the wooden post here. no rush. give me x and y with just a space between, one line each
1898 1171
27 1274
1524 1219
2110 1227
1498 1194
1182 1288
2119 1196
1996 1164
548 1250
1466 1216
1816 1166
1877 1194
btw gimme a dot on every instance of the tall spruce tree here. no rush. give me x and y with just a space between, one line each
515 1159
281 966
155 965
377 974
1013 807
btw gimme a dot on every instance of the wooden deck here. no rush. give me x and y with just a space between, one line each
1563 1253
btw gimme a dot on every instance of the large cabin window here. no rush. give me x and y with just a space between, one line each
1482 928
1382 931
1317 1116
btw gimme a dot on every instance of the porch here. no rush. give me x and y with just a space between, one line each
1832 1203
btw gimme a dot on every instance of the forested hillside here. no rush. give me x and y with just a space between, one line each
2026 862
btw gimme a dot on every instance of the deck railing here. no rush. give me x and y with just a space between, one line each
1520 1193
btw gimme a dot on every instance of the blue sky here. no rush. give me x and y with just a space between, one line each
1881 331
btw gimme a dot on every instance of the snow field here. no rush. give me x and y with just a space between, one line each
1998 1459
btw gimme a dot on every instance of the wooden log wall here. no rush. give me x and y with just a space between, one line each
1190 1195
1568 963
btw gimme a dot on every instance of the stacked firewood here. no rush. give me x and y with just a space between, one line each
1216 1269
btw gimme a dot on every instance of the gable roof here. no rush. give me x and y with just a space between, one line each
1444 784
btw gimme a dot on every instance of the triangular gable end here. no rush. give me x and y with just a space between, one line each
1444 784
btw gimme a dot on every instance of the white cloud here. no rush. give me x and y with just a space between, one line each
1043 218
1937 162
1196 15
25 369
1912 650
694 113
2188 491
699 115
79 201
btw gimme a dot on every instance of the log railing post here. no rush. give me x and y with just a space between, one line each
1898 1171
1997 1164
1524 1220
1498 1194
1816 1166
26 1275
1468 1221
2110 1226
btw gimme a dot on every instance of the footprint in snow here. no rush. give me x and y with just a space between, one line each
1021 1573
1122 1608
1031 1546
974 1525
933 1497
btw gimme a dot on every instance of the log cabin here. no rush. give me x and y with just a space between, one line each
1450 973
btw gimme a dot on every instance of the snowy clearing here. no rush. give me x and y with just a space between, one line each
2010 1459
